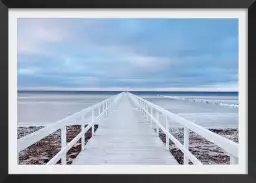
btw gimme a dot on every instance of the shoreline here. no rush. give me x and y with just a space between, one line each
41 152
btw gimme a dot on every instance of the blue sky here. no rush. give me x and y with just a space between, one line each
140 54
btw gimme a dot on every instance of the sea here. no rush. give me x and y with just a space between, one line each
37 108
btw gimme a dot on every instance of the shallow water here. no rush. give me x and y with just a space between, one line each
42 108
207 115
48 108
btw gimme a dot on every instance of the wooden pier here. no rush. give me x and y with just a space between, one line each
125 138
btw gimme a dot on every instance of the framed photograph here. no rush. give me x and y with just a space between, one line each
152 88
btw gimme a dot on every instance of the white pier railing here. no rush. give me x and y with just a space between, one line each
152 112
96 111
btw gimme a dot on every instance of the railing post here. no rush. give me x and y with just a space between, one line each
104 109
233 160
144 108
100 108
99 111
151 113
83 136
63 143
146 112
186 144
107 108
157 119
166 137
110 105
93 117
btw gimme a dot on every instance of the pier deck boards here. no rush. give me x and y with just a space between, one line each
125 138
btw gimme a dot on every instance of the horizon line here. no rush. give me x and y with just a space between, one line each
127 91
47 88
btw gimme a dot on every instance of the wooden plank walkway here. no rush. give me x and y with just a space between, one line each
125 138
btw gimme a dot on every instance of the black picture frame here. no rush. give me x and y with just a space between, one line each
5 4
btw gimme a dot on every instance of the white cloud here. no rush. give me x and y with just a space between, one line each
135 80
149 62
34 34
24 71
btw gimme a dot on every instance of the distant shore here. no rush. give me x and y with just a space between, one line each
47 148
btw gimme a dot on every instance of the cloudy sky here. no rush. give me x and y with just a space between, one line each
105 54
